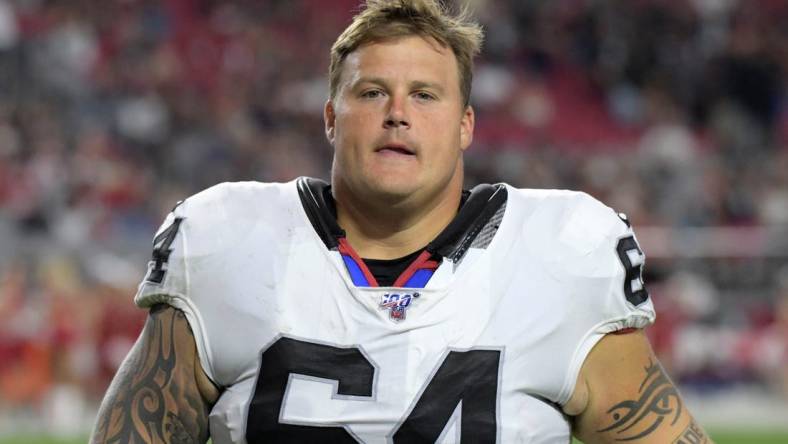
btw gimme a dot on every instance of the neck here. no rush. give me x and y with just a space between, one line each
391 231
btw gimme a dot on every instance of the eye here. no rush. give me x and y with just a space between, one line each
423 95
372 94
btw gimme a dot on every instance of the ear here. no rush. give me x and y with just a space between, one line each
329 118
466 127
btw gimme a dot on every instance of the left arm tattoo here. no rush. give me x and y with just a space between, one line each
624 395
658 401
693 434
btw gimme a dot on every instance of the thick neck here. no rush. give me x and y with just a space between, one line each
392 230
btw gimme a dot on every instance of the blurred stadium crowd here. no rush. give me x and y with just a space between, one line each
674 112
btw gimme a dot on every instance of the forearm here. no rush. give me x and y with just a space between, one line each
154 397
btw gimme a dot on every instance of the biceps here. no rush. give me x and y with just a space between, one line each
632 399
154 397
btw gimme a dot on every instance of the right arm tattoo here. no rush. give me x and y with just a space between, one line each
154 398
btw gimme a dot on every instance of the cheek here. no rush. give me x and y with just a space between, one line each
445 136
353 128
442 120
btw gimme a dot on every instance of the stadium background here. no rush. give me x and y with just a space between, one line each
674 112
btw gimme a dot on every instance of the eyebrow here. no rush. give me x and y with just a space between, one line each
426 85
416 84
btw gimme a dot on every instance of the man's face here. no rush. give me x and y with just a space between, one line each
397 123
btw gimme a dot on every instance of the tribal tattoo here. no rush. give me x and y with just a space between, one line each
659 401
154 398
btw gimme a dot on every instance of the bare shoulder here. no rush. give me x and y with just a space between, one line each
624 394
160 393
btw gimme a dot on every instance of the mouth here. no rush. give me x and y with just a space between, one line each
395 148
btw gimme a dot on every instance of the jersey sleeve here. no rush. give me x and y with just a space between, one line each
195 266
596 264
168 276
214 257
602 245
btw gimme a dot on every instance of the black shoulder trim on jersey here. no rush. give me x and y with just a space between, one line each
457 237
177 204
624 219
312 193
453 242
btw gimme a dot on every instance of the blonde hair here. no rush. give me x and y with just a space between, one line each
387 19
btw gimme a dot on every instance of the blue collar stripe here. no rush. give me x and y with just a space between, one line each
419 278
359 280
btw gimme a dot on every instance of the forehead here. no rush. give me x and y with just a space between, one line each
406 58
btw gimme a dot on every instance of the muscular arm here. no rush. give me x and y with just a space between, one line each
160 393
624 395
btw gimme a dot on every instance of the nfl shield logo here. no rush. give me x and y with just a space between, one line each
396 304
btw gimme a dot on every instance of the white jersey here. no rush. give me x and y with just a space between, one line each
487 351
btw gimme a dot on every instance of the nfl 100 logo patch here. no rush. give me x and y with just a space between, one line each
397 304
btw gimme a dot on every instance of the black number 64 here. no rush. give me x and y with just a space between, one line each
469 376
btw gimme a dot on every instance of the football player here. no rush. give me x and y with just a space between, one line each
390 305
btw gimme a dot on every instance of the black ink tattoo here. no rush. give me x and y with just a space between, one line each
659 400
693 434
153 399
177 431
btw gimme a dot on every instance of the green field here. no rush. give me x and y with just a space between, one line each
719 438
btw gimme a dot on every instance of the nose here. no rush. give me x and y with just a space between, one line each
397 116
